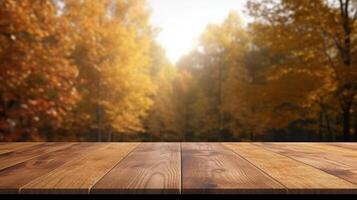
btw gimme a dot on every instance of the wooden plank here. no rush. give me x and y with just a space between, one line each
78 176
337 150
296 176
152 168
336 161
23 154
14 177
212 168
344 156
350 145
6 147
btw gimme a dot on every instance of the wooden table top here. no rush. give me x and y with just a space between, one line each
178 168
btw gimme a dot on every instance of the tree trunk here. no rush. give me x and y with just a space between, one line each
321 125
328 124
220 118
184 132
355 135
110 135
345 52
346 124
99 111
99 124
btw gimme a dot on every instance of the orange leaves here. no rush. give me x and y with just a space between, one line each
111 54
313 40
73 64
35 70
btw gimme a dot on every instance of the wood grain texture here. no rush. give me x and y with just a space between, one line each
296 176
212 168
14 177
79 175
6 147
152 168
331 159
350 145
15 157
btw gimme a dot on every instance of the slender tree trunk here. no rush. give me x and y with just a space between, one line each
220 100
121 137
328 123
251 135
321 124
186 123
346 123
99 127
355 135
99 113
110 135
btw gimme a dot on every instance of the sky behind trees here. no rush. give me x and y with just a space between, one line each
182 22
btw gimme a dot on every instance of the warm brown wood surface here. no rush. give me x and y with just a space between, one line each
296 176
212 168
174 168
16 176
79 175
151 168
352 146
22 154
8 147
338 161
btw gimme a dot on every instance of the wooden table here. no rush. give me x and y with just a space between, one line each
178 168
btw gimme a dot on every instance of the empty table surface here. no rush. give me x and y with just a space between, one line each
178 168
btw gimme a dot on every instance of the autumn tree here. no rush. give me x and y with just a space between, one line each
315 37
236 92
113 41
74 69
222 46
221 50
37 80
92 71
162 121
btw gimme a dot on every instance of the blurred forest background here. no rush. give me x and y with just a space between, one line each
73 70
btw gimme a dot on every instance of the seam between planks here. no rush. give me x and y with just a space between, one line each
262 146
285 188
119 161
181 163
20 188
80 156
19 148
41 154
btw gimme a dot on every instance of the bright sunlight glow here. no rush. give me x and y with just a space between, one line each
181 22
